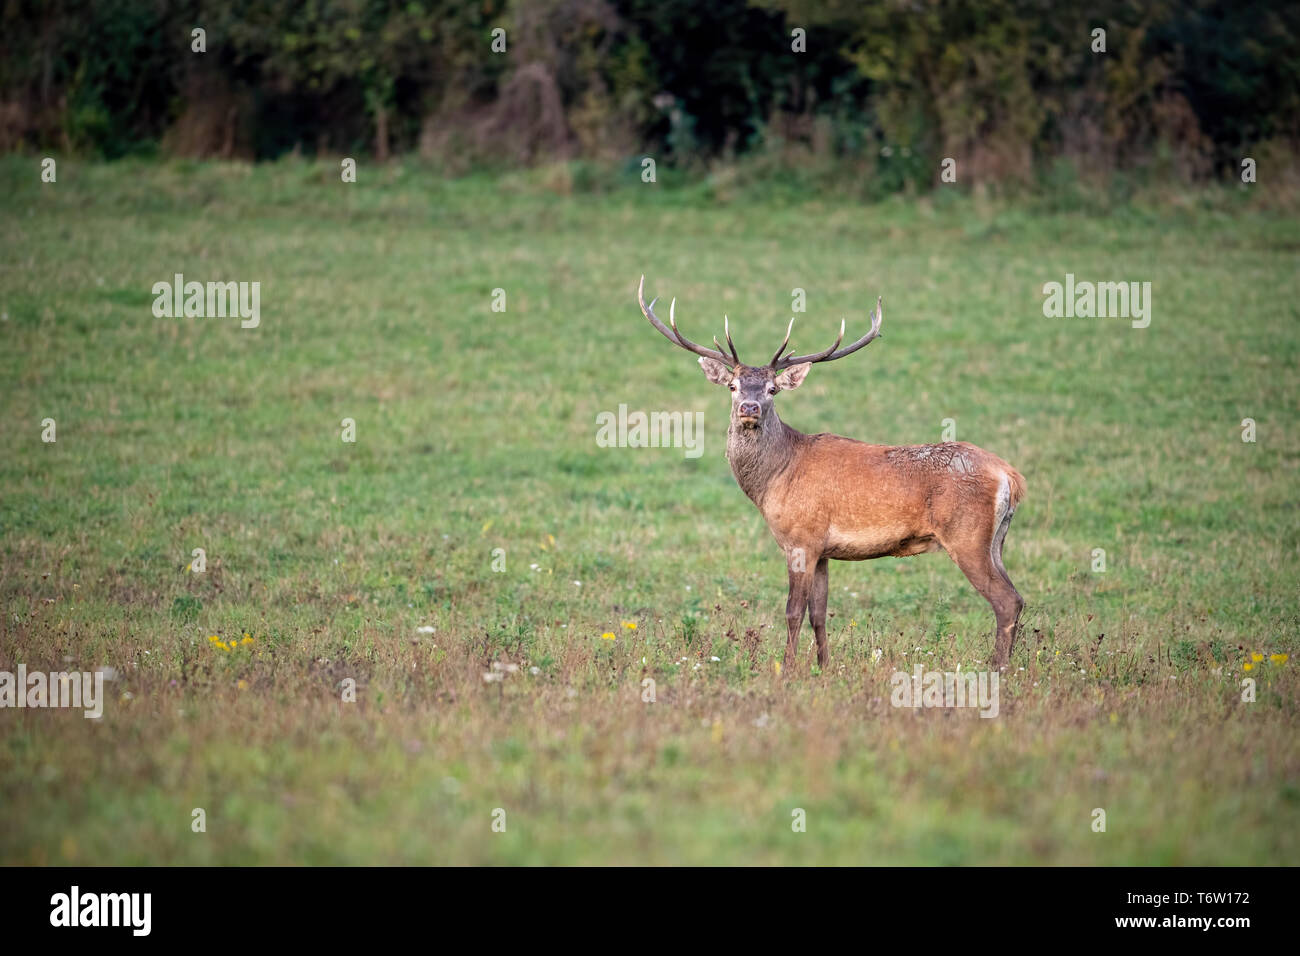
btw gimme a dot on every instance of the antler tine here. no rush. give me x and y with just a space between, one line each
788 329
726 325
672 335
726 328
821 356
835 352
719 355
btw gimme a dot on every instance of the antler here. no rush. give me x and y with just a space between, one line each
678 339
834 352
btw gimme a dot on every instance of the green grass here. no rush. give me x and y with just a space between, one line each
476 431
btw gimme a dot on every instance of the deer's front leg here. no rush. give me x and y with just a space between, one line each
801 584
817 609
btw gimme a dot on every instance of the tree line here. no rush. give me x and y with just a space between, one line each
1008 87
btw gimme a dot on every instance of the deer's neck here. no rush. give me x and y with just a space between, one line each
758 455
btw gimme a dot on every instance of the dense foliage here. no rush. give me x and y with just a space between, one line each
1009 86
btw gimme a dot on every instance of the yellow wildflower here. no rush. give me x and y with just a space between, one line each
1256 656
607 636
1277 658
630 625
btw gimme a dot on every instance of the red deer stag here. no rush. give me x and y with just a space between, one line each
824 496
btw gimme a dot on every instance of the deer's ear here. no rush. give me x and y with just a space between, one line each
793 376
715 371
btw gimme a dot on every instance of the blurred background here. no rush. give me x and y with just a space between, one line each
877 95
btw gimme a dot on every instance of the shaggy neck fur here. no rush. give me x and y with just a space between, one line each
759 454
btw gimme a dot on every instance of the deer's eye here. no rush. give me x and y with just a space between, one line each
732 386
771 390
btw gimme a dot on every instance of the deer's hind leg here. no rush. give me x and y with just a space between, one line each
817 609
980 559
1009 619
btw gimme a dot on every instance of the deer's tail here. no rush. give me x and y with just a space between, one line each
1017 482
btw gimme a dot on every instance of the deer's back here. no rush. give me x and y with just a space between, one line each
852 500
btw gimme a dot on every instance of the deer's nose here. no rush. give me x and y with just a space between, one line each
749 410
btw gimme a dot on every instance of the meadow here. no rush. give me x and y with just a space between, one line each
499 586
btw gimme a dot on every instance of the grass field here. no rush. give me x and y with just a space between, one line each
476 430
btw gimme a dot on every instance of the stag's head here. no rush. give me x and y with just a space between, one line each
753 387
